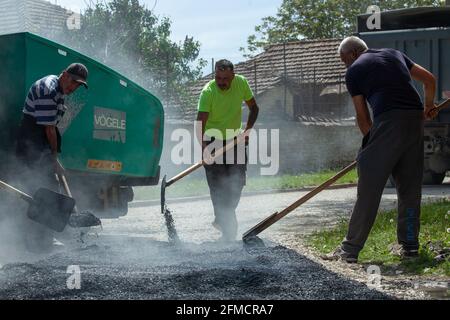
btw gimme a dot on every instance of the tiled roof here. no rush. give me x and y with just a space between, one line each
37 16
305 61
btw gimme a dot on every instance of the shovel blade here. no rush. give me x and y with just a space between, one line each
51 209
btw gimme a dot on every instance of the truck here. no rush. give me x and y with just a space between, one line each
112 133
423 34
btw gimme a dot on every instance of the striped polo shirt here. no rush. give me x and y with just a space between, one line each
45 101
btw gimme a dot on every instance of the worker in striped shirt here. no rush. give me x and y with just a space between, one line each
39 141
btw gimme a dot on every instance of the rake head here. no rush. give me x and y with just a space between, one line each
171 230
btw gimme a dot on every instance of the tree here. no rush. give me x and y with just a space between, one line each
318 19
131 39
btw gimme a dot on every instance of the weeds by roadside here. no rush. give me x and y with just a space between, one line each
434 238
195 187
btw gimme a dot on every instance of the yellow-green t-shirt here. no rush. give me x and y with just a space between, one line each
224 106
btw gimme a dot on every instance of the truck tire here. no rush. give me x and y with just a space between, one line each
432 178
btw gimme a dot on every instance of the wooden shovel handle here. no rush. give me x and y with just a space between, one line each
443 105
65 184
62 178
199 164
15 191
263 225
184 173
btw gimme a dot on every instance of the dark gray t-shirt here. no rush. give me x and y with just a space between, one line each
382 76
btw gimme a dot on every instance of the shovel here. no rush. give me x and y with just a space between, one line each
164 184
250 237
442 105
46 207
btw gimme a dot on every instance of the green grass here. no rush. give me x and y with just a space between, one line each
195 186
435 221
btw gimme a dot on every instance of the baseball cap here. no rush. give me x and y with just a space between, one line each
78 72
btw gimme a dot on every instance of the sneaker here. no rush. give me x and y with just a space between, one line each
409 254
340 255
398 250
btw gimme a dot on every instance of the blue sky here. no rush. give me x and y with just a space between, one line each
222 27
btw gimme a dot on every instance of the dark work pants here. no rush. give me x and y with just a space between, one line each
226 182
395 146
35 167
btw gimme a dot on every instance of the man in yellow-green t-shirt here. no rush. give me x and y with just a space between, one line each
220 115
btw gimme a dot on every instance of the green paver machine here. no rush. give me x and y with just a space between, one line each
112 133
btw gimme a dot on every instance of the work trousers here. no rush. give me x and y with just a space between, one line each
34 170
35 165
395 146
226 181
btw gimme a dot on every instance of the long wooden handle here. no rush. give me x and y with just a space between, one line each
443 105
65 184
15 191
263 225
184 173
66 187
217 154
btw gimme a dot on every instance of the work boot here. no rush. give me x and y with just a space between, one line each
229 237
340 255
409 254
229 232
403 253
229 228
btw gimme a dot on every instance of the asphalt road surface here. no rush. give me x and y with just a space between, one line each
132 259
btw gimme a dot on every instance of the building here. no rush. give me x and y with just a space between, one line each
299 81
300 89
36 16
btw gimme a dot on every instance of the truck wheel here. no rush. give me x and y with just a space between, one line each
431 177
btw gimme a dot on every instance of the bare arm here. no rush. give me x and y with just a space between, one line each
429 88
253 115
362 114
50 132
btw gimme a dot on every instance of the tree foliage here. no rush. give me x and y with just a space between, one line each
128 37
318 19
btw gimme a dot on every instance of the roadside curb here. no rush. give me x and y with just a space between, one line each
145 203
